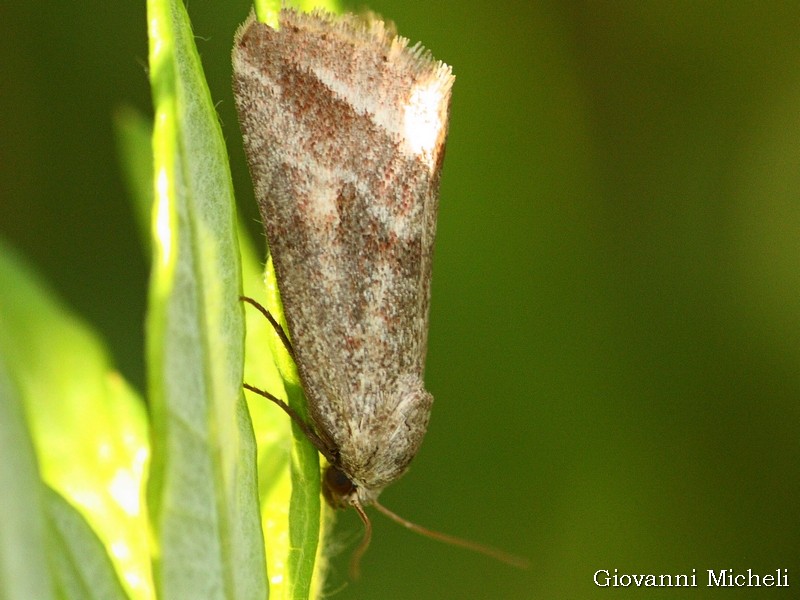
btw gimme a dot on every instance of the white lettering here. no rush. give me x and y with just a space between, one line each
605 579
713 581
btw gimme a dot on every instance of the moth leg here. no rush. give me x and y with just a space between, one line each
275 325
307 430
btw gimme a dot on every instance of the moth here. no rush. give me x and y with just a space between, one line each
344 127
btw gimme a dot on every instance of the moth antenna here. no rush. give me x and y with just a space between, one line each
307 430
355 560
272 321
504 557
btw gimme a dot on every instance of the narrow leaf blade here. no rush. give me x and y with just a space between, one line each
24 568
82 567
203 496
87 425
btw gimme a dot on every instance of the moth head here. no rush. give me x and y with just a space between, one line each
340 492
338 489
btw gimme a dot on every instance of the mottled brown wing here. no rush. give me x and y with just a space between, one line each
344 128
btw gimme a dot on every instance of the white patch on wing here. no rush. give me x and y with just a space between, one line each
424 119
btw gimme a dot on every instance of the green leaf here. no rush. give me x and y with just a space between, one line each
305 506
271 426
24 569
134 136
82 567
301 575
304 572
203 496
88 427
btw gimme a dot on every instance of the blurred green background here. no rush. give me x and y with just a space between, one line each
615 329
